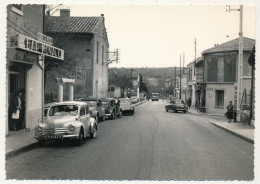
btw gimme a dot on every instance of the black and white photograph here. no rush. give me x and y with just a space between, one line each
132 92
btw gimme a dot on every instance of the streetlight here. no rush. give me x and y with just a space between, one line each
240 58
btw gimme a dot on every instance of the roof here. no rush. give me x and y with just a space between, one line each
64 103
77 24
232 45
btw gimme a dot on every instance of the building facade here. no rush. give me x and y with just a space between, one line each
24 68
85 42
191 82
221 75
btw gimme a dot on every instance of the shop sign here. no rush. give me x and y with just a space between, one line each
20 56
31 45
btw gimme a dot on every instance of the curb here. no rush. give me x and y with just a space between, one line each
20 150
233 132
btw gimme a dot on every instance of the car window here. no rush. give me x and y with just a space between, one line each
92 103
82 111
45 112
125 101
63 110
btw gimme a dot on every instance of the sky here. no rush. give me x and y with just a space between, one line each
156 35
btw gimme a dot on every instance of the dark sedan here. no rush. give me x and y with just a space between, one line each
176 105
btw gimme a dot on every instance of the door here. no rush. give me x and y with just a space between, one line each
83 119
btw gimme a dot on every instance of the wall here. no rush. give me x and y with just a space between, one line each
33 94
100 69
78 58
211 97
28 22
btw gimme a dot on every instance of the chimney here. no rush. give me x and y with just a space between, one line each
64 20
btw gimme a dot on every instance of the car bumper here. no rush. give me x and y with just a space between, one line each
56 137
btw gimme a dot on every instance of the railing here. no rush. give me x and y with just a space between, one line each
39 47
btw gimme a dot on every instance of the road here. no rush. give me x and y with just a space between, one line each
151 145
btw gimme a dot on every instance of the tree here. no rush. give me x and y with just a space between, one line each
121 80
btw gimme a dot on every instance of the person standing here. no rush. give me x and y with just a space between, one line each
189 103
230 110
16 111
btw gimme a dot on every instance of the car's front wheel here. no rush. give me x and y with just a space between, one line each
112 116
166 110
184 112
79 141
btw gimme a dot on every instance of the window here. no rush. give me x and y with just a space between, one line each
102 54
17 8
220 69
82 111
97 50
219 98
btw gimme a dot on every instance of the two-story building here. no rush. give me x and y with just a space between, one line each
220 66
85 42
24 68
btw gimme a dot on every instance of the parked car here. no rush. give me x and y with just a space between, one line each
176 105
127 106
96 108
64 121
112 108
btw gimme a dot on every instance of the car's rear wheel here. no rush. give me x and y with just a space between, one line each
103 118
112 116
119 115
175 111
184 112
94 133
97 118
79 141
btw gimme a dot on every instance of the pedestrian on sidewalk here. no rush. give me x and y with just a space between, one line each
189 103
230 110
16 111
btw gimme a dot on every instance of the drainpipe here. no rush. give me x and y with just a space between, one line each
42 68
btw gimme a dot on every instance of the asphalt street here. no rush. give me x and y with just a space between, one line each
151 145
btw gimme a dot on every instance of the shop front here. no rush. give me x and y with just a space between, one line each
24 86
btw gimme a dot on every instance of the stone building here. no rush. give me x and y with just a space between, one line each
220 75
85 42
24 69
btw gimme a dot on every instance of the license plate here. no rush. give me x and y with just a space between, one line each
54 137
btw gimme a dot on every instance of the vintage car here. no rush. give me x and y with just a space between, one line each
176 105
66 120
127 106
112 108
96 108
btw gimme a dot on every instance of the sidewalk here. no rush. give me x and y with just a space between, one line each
20 141
17 142
241 130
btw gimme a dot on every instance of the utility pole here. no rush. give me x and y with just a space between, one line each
240 60
138 85
195 54
183 60
180 76
175 82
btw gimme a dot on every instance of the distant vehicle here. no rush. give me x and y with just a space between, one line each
127 106
112 108
96 108
176 105
66 120
155 96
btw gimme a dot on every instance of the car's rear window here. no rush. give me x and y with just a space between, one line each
92 103
63 110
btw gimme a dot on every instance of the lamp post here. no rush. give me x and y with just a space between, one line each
240 59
